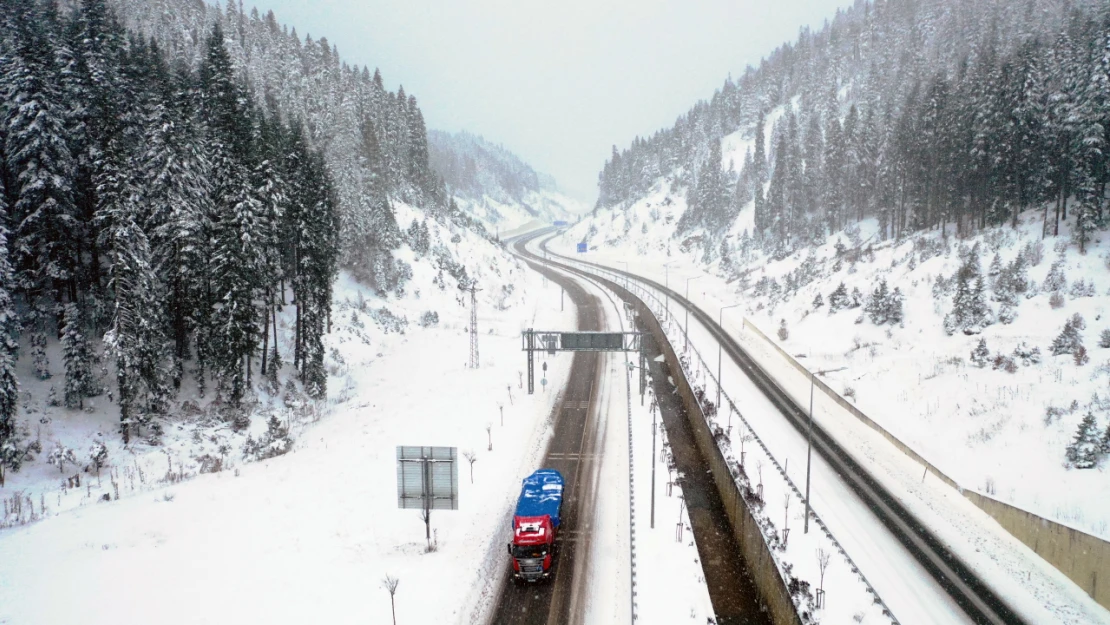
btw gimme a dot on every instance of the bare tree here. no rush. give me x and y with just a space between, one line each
471 457
520 376
501 407
822 564
785 517
510 388
489 433
390 583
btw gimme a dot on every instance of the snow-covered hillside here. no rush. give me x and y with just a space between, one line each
310 535
494 185
999 420
194 436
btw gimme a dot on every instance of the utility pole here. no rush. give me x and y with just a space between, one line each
686 332
667 285
473 324
809 438
720 318
654 405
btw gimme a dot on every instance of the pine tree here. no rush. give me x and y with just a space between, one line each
9 329
878 304
1069 340
1085 450
970 313
1056 280
894 307
78 359
980 356
838 299
759 178
136 339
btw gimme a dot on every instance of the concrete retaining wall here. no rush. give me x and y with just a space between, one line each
757 556
1080 556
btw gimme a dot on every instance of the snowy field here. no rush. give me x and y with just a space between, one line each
308 536
1025 579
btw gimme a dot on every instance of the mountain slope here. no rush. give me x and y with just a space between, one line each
494 185
852 157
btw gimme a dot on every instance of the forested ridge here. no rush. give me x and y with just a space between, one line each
473 167
923 114
159 196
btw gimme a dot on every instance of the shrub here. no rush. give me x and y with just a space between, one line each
275 441
818 302
1007 314
1104 339
1082 288
60 455
783 332
1004 363
98 456
429 319
1026 354
1080 356
1056 301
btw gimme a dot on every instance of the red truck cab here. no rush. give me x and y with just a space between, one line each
535 525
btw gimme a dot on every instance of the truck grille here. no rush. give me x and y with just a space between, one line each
531 566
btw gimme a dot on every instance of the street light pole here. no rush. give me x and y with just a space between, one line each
686 332
720 319
809 438
667 283
654 403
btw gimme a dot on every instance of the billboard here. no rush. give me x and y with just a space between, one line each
427 478
581 248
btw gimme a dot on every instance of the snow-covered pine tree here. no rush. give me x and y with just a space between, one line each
838 299
759 178
9 330
894 307
970 313
855 299
1085 450
980 356
174 166
1056 280
1069 340
79 382
878 304
136 339
239 230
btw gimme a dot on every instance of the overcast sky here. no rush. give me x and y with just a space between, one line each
556 82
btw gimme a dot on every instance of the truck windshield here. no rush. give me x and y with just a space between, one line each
530 551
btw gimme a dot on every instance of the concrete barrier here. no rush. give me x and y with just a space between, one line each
757 556
1080 556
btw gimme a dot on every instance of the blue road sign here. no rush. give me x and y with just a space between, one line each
581 248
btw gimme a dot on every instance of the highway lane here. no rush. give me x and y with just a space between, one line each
570 452
735 599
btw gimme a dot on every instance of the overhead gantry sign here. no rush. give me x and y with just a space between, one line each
552 342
